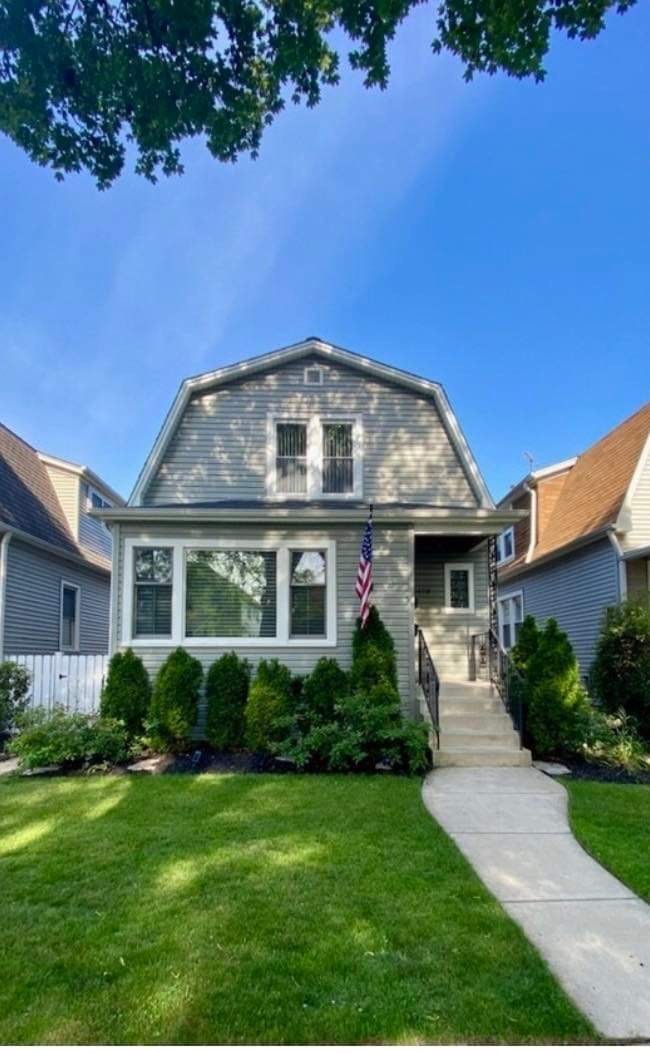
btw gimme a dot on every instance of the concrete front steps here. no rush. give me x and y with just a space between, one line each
475 730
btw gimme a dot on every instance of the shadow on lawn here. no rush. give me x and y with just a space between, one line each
249 908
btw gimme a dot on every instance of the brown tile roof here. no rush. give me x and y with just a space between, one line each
28 501
587 497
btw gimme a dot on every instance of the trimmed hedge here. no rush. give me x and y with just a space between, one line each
126 695
621 670
226 692
174 702
269 702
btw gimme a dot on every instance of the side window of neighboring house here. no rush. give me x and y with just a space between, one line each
69 617
506 545
511 615
94 500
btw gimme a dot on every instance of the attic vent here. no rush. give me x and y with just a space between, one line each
313 375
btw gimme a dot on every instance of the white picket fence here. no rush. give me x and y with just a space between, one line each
70 680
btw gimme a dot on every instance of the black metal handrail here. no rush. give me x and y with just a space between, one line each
489 661
430 683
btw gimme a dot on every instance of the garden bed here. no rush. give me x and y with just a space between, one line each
581 770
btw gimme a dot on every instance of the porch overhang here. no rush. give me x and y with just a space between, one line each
423 519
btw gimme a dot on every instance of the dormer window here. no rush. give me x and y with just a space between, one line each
315 457
313 376
506 546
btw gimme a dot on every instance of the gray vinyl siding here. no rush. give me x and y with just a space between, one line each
448 634
33 591
219 449
575 590
93 535
392 594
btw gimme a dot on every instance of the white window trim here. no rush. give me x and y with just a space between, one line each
179 547
314 423
501 562
313 383
77 589
507 599
469 567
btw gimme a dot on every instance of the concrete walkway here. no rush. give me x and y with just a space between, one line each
512 826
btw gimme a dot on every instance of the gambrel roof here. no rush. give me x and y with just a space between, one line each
330 352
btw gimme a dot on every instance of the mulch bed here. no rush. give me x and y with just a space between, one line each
603 773
205 759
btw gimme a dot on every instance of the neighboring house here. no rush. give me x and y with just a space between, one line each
585 544
55 558
244 528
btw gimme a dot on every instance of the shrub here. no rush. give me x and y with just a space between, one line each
226 691
14 689
527 644
373 654
613 739
269 704
621 671
127 692
174 701
557 705
322 687
70 739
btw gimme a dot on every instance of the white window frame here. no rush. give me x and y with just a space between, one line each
314 424
282 548
502 560
313 383
77 624
469 567
517 594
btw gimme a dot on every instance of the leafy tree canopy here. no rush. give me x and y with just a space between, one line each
82 79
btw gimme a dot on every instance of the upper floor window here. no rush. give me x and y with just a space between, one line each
313 375
94 499
315 458
506 545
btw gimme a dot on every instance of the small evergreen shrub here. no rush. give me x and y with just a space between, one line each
373 654
226 692
527 644
14 691
322 687
269 704
174 701
621 671
127 692
557 706
70 739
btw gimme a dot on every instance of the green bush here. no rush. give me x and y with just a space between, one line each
373 654
322 687
14 690
526 645
613 739
174 701
226 692
269 704
127 692
557 705
621 671
70 739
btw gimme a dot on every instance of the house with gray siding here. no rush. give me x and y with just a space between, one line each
55 557
585 543
244 527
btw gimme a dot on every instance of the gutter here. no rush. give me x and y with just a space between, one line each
4 550
533 522
620 564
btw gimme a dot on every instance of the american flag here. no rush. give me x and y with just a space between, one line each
364 573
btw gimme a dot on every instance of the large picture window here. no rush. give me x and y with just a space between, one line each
308 594
152 572
230 593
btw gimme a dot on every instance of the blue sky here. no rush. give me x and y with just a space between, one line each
493 236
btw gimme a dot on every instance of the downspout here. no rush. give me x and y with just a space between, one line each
4 550
533 521
620 563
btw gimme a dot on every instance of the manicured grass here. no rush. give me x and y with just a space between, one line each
612 821
231 909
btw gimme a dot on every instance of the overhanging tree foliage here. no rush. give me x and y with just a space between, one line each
81 79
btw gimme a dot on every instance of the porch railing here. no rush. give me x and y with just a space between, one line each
489 661
429 682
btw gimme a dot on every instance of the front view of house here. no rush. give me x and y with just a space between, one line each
244 528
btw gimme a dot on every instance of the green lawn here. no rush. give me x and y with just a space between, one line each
230 909
612 822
